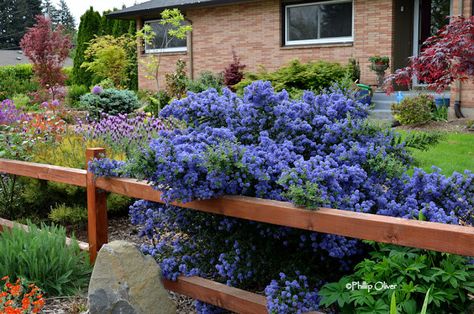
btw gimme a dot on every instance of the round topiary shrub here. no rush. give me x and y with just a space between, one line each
110 101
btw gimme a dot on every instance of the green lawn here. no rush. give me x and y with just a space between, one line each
455 152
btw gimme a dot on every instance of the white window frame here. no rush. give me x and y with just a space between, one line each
164 50
329 40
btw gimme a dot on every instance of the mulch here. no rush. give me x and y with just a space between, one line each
457 125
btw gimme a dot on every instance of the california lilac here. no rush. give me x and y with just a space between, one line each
317 151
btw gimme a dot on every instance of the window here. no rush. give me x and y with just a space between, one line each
319 22
162 42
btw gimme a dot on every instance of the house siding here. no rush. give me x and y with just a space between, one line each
254 31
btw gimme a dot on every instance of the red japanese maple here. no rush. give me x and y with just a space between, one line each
446 57
47 49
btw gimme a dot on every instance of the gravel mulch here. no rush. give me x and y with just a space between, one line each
120 228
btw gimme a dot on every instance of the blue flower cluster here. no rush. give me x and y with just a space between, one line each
317 151
291 296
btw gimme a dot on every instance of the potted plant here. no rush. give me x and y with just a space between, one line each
379 65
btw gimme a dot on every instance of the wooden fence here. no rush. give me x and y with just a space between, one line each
419 234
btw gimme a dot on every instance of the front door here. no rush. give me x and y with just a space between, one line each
414 22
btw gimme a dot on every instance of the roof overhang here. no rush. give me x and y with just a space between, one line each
153 7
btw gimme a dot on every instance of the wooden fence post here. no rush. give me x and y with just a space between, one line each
97 224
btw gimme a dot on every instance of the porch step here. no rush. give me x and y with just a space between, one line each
381 114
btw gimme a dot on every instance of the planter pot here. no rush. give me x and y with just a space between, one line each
379 69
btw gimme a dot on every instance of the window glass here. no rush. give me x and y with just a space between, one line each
162 39
318 21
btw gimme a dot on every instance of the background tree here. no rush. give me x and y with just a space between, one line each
65 18
15 18
446 57
47 49
89 27
109 58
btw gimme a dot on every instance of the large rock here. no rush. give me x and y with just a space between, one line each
127 282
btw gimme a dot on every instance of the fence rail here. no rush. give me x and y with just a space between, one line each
419 234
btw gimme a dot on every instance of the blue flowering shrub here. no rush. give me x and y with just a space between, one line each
315 151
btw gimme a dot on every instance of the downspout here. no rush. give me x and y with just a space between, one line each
457 100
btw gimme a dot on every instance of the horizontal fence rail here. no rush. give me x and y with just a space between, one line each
413 233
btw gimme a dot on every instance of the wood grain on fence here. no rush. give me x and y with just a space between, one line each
44 172
420 234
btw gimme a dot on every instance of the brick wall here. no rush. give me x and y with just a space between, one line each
467 88
254 31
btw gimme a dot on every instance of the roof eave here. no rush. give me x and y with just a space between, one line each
129 15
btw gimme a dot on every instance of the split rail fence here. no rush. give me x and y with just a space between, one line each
413 233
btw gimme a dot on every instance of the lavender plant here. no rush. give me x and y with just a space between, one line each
315 151
123 133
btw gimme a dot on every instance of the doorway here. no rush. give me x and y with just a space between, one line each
414 22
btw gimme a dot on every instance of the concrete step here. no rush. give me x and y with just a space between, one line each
381 114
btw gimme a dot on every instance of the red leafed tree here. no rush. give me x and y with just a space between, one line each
233 73
47 49
446 57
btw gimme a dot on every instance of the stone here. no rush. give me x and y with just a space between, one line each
124 281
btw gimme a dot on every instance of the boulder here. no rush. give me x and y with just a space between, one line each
127 282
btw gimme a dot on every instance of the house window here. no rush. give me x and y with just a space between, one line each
162 42
319 22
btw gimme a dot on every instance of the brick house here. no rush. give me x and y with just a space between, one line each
270 33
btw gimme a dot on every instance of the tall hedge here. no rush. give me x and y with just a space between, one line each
89 27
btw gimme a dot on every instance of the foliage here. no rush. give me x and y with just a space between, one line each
297 77
17 16
440 113
19 297
118 204
378 60
21 101
233 73
177 29
157 102
89 27
47 49
16 79
205 81
446 57
414 110
108 58
68 215
58 268
450 278
68 73
74 94
176 82
110 101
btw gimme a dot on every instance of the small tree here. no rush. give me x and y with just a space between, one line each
109 57
47 50
172 18
447 57
89 27
233 74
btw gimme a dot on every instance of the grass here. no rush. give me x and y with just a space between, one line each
454 153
